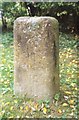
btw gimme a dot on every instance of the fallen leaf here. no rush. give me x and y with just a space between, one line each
67 80
64 104
7 103
27 116
36 106
73 84
11 108
72 114
15 101
33 109
66 97
71 102
67 92
44 110
18 116
11 117
48 116
21 107
72 106
4 61
42 105
59 111
75 88
27 108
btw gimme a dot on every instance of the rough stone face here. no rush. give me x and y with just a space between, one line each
36 57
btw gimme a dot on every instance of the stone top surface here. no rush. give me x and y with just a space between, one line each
36 19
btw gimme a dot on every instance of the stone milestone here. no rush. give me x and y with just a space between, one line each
36 50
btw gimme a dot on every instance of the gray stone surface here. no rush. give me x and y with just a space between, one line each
36 57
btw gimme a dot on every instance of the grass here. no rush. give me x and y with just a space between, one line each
64 104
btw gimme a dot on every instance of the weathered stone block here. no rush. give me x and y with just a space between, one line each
36 57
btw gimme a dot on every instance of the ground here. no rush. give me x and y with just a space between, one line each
64 104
